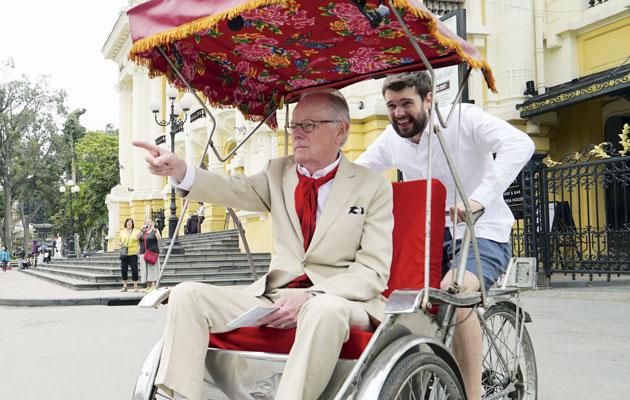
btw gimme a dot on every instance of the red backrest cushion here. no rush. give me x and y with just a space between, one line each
407 271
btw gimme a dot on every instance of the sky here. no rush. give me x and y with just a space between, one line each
63 39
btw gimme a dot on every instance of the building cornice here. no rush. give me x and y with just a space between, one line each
118 37
604 83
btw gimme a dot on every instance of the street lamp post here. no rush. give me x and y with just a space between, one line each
72 188
176 125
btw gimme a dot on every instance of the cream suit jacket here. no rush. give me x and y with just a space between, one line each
350 253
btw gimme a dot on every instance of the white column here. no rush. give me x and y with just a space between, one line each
153 184
511 53
125 131
140 127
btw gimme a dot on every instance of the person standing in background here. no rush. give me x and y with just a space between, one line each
148 239
4 258
58 245
128 237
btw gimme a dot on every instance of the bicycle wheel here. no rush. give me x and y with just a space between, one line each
501 377
422 376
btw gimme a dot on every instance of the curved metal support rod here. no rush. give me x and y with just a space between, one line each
452 168
234 150
443 123
209 144
241 232
170 245
361 363
427 227
470 218
190 89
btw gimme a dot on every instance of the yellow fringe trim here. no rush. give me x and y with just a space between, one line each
444 41
205 23
195 26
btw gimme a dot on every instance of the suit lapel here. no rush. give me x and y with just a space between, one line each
342 187
289 182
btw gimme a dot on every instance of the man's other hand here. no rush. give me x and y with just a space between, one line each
162 162
461 211
286 315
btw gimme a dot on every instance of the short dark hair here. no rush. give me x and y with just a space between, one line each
127 220
420 80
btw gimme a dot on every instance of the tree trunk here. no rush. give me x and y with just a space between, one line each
25 225
7 223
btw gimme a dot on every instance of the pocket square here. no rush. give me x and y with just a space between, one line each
356 210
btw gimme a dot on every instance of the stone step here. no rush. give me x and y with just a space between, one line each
76 284
198 275
174 259
214 259
175 268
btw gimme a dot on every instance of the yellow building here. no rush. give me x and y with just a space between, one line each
568 50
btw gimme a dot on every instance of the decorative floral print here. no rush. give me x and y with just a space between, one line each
288 47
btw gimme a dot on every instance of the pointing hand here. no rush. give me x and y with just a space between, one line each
162 162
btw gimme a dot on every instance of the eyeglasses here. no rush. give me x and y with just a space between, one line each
309 125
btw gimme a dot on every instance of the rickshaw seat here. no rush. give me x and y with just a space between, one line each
407 270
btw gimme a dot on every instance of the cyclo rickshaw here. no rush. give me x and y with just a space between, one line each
259 56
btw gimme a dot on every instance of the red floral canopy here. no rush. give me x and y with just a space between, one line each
255 54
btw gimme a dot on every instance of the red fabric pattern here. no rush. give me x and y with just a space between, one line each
306 202
282 50
407 270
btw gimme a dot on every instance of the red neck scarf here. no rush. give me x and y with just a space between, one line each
306 202
306 208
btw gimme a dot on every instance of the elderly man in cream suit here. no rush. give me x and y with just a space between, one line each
332 222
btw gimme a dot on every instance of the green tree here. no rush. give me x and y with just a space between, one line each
97 173
28 114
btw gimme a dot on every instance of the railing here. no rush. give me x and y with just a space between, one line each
444 6
576 214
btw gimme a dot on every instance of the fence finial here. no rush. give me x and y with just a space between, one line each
625 140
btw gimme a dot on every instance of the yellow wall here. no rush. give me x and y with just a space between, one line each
136 211
604 48
578 125
258 230
362 133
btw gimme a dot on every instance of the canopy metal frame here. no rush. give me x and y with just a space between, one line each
469 239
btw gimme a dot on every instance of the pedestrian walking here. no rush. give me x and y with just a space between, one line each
4 258
128 242
58 245
35 252
149 254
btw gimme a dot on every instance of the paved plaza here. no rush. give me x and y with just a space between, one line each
581 335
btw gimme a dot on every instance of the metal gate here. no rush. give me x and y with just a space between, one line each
575 214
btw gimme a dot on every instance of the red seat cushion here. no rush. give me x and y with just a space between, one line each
407 270
280 341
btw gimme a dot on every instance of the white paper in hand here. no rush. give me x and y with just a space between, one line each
251 317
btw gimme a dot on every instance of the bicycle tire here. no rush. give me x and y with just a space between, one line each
500 319
436 379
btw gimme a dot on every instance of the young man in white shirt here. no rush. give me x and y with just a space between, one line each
489 153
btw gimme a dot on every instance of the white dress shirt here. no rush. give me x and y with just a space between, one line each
322 193
471 144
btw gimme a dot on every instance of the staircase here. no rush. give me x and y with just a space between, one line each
208 257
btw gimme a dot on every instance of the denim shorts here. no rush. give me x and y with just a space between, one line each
494 257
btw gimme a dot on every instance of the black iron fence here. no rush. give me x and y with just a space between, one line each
574 215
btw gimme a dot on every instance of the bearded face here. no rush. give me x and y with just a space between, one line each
408 113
